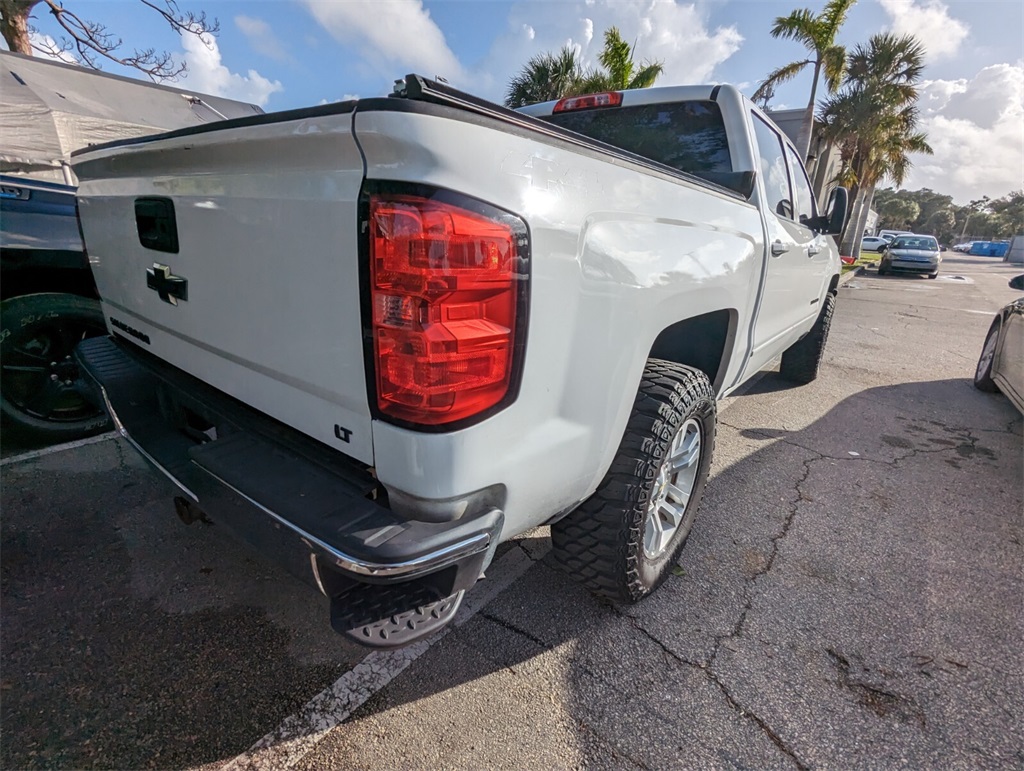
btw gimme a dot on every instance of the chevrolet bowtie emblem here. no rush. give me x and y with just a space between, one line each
171 288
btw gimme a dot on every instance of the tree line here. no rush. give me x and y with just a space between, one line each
925 211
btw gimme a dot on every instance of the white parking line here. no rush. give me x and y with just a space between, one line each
298 734
58 448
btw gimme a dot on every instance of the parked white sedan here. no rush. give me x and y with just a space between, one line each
872 244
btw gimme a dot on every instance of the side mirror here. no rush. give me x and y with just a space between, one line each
1017 282
834 220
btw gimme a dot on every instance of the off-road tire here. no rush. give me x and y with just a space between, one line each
63 319
983 372
601 543
802 360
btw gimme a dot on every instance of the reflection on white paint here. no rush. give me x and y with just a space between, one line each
539 203
632 252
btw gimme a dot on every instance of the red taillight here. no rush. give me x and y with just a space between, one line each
445 293
570 103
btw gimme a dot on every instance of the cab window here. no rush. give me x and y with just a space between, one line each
689 136
772 161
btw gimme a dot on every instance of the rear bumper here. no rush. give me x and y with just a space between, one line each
309 508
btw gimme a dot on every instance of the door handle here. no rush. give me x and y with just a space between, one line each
778 248
813 249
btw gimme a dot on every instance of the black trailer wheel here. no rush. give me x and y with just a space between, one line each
622 542
42 394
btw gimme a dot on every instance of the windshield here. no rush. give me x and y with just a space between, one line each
916 242
689 136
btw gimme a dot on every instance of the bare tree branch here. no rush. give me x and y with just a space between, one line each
91 42
52 48
194 24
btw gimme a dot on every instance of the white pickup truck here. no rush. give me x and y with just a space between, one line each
377 338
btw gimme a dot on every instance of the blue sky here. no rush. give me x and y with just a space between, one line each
292 53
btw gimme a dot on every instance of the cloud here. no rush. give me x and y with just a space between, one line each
399 36
672 32
344 98
974 126
45 47
929 21
262 38
206 74
393 37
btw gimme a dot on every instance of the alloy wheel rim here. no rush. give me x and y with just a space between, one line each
672 489
986 355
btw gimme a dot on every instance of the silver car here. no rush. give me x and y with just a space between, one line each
911 254
1001 365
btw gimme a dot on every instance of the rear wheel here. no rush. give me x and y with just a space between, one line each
983 372
42 394
802 360
622 542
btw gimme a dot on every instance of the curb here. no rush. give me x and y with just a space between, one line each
851 274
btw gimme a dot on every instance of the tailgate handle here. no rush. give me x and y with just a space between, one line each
154 218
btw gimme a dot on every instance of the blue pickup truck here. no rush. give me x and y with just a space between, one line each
48 301
49 305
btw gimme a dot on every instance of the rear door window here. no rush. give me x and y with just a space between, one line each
688 136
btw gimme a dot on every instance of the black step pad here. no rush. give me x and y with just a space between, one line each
391 616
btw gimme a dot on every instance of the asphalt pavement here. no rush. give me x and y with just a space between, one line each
850 597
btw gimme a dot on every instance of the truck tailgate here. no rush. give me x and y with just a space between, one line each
261 230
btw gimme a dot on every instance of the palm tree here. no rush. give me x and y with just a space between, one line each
553 76
873 120
621 72
817 33
545 77
888 158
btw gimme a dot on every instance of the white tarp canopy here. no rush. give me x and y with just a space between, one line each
48 110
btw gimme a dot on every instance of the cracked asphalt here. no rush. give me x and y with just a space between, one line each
850 596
